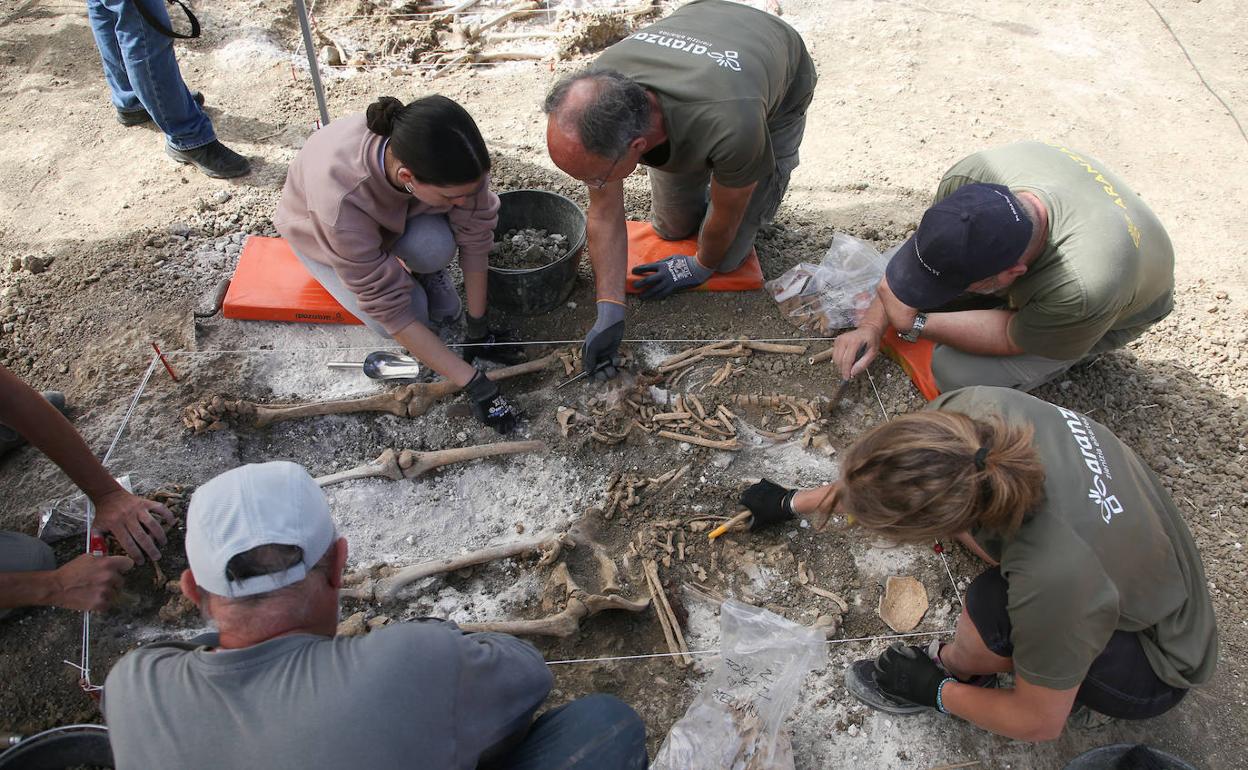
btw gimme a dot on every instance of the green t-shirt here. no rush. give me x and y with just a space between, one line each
1108 265
1106 550
723 74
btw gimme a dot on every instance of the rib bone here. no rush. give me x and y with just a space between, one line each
407 464
406 401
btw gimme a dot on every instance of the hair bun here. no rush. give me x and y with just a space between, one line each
381 114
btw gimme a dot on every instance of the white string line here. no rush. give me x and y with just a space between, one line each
631 341
84 664
717 652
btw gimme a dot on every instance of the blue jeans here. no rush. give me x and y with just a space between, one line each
597 732
142 72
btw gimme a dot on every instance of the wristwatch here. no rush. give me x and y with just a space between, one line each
920 320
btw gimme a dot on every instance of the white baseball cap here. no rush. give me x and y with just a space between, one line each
275 503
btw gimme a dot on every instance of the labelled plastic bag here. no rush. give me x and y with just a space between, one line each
736 722
67 516
835 293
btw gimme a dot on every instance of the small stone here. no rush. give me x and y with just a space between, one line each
221 196
36 264
853 731
159 263
180 229
1211 308
571 305
63 368
352 626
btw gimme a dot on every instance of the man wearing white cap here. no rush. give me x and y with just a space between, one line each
275 688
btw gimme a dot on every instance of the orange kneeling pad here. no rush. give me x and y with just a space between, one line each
271 284
645 246
914 358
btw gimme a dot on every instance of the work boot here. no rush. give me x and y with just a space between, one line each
140 116
11 439
860 681
444 304
214 159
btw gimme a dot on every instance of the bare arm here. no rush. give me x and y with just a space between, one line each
870 332
475 287
130 519
727 207
608 241
86 583
429 348
981 332
969 543
1026 713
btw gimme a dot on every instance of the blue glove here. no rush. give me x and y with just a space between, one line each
601 353
671 274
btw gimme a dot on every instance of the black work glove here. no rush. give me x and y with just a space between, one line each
601 354
480 341
489 405
908 673
770 503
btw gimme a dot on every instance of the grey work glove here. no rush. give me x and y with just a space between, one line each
671 274
601 354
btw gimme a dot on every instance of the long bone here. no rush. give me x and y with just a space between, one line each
580 604
406 401
549 543
407 464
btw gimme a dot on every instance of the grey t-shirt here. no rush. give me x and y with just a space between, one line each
725 75
408 695
1105 550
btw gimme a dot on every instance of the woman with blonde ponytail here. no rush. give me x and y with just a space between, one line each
377 205
1095 595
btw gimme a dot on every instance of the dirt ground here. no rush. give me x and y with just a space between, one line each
131 245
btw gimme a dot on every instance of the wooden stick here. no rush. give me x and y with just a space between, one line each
727 444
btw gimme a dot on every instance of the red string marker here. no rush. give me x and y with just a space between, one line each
165 361
938 548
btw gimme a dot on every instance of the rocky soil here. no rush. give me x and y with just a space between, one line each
526 248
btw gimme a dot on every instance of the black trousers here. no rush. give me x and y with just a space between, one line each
1121 683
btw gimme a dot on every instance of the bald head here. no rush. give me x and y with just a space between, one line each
594 115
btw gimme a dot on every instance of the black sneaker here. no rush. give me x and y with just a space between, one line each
860 681
140 116
214 159
11 439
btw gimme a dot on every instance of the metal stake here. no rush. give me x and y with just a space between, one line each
313 65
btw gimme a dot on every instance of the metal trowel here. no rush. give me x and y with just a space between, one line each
383 365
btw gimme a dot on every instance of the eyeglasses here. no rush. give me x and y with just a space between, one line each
598 183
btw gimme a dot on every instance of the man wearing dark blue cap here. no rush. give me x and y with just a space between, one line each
1065 259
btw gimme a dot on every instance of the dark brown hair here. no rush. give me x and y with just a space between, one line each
929 475
434 137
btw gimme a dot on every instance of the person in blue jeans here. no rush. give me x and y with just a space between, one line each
146 85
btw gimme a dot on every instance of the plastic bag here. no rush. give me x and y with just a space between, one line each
835 293
67 516
735 722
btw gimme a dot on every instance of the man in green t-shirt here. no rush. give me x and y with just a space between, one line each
1067 261
712 99
1095 593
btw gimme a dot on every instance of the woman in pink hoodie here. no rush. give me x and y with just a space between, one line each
377 205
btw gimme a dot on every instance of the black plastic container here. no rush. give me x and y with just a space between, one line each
61 747
540 289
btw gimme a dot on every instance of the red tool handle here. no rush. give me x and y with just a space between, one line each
99 546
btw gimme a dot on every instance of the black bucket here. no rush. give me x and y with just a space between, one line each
538 290
59 748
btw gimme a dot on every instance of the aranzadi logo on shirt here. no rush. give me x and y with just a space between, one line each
1094 459
690 45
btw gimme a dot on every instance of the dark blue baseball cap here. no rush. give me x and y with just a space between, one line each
976 232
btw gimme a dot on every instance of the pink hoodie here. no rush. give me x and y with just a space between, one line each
338 208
